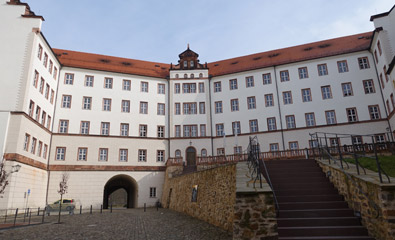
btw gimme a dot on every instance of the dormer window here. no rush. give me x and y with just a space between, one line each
185 76
191 64
200 75
192 76
177 75
185 64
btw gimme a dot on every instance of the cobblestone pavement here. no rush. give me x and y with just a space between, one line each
120 224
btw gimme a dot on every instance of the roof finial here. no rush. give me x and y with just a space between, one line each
188 46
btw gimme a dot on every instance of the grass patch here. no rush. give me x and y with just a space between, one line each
387 163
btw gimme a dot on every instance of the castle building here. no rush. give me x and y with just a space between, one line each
113 122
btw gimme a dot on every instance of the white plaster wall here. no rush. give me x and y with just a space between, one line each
87 188
4 121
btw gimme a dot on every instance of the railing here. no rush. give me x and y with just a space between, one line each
176 161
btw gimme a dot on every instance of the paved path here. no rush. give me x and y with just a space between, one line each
121 224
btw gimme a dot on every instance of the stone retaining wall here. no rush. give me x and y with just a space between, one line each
378 216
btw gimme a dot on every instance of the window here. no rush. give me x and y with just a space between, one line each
69 79
203 152
191 64
202 130
26 142
303 73
35 79
189 87
251 103
269 100
347 89
190 131
45 61
40 52
108 83
82 154
87 103
190 108
89 81
380 138
63 126
310 119
185 64
368 86
144 86
273 147
125 106
382 81
43 118
177 131
236 130
322 69
143 130
237 150
306 95
385 73
217 87
202 108
326 92
342 66
200 75
233 84
66 101
123 155
49 122
388 106
52 96
103 154
106 104
392 100
363 63
313 143
161 131
234 105
374 112
50 68
126 85
152 190
293 145
218 107
46 91
284 76
142 155
201 87
249 81
42 85
143 107
267 79
352 114
161 88
45 150
124 129
84 127
379 47
330 117
177 88
375 56
290 119
253 126
105 128
220 129
177 108
334 142
177 153
60 153
161 109
38 111
31 108
271 124
55 73
160 155
287 97
220 151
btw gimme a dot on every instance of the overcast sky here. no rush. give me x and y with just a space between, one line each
158 30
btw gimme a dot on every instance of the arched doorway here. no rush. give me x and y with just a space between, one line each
128 184
191 156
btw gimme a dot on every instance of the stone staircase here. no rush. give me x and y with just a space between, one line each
310 206
189 169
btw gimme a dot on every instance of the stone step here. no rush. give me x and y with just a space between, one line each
306 192
315 213
298 180
322 231
310 222
287 170
313 198
329 238
284 186
313 205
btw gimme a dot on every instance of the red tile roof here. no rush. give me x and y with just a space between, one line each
283 56
111 64
326 48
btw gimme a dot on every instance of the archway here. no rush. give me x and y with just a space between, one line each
121 182
191 156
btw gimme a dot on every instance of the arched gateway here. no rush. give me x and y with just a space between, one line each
121 182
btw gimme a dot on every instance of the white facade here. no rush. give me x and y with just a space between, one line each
101 119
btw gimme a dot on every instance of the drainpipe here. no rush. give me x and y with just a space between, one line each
168 117
279 108
211 116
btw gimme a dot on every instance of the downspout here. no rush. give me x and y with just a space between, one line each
279 108
211 116
382 98
168 117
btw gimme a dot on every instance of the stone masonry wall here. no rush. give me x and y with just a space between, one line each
216 195
380 222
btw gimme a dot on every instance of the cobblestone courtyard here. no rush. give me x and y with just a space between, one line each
121 224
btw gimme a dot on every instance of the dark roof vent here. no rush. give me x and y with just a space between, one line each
156 65
274 55
324 45
233 63
308 49
163 68
65 53
216 64
256 58
104 60
361 37
126 63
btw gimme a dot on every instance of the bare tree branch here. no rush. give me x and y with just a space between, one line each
3 178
